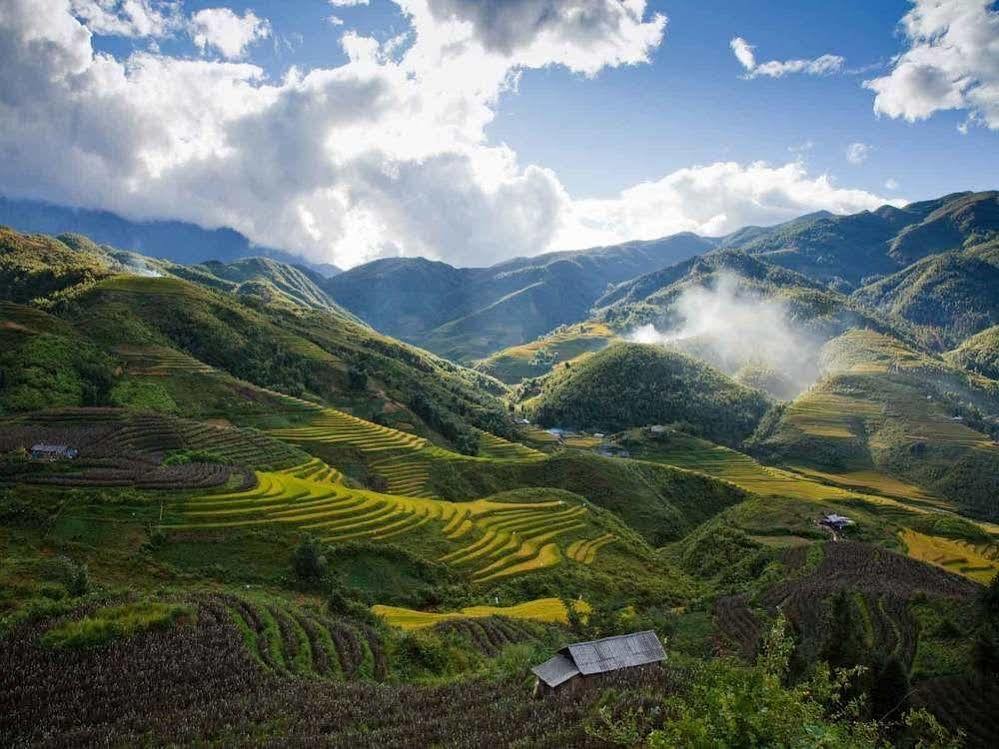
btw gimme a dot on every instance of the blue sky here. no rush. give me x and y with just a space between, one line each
603 138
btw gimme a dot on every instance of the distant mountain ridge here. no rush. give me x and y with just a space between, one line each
467 313
178 241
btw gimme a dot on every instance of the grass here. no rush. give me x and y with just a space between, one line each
113 622
551 610
977 561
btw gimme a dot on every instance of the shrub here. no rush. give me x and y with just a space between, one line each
308 560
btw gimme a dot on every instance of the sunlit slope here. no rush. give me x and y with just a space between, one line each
551 610
511 365
883 407
485 539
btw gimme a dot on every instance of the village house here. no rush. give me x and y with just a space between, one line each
43 451
574 665
836 522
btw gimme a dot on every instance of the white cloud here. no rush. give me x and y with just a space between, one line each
952 63
386 154
346 3
857 153
130 18
225 31
334 20
745 53
712 200
891 183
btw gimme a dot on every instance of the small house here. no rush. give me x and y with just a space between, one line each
836 522
574 664
657 429
43 451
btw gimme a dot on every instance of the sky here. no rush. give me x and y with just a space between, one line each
472 131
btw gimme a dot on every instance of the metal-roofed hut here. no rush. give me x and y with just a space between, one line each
43 451
574 663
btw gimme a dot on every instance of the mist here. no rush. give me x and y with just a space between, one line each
742 333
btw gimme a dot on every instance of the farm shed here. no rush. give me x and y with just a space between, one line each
42 451
573 664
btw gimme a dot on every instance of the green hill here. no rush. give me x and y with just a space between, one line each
952 295
468 313
629 385
980 353
845 250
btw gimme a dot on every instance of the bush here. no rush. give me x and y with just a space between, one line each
308 561
184 457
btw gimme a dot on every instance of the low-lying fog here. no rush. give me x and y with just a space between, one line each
737 330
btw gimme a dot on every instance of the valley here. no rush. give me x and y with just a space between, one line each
244 476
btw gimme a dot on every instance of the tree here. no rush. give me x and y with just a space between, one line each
844 646
357 378
308 560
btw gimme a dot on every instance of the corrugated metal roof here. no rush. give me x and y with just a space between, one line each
556 670
612 653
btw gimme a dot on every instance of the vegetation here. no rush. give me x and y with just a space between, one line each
277 524
635 384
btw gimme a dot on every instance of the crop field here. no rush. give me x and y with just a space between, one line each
292 641
494 539
961 703
695 454
979 562
489 635
831 415
159 361
511 365
550 610
336 427
199 684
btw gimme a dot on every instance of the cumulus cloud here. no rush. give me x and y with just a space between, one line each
584 35
952 63
891 183
227 32
346 3
130 18
383 155
857 153
712 200
745 53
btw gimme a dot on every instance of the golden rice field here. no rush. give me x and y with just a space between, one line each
821 413
980 562
490 540
160 361
550 610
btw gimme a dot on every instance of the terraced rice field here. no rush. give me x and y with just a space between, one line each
160 361
497 448
406 474
585 550
550 610
289 640
979 562
721 462
493 540
830 415
336 427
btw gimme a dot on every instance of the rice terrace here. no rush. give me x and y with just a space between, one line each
499 373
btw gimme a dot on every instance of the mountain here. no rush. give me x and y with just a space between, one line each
952 295
468 313
845 250
173 240
113 316
628 385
